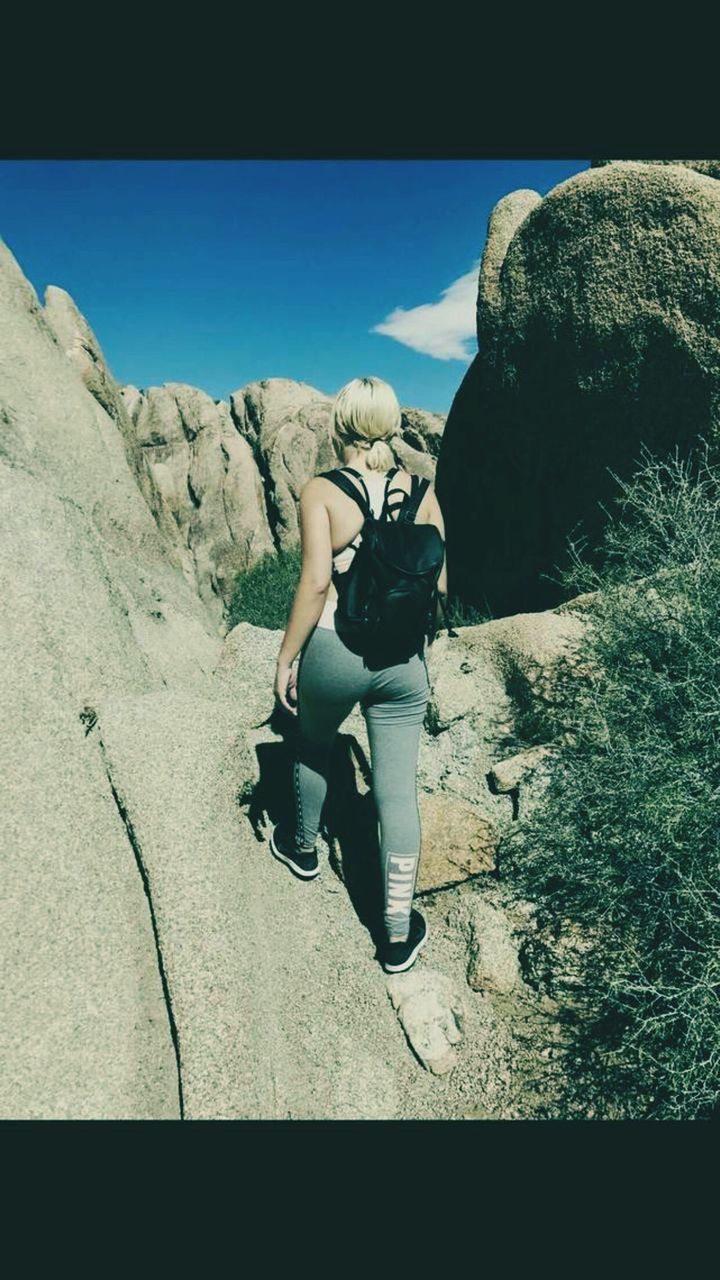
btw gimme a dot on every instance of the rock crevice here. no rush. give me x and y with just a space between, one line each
145 879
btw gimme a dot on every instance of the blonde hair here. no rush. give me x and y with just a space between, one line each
365 414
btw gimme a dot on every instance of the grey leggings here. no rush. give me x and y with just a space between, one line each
330 680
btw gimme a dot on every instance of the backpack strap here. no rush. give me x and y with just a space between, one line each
347 486
418 486
409 502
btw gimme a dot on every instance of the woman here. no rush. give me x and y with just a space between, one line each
330 678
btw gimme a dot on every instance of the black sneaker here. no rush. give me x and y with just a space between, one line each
396 957
304 864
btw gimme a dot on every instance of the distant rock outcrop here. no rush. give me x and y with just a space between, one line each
197 475
421 432
223 479
599 324
203 486
288 426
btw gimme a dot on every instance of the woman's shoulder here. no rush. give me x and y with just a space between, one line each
321 486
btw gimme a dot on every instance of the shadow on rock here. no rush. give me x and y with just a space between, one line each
349 817
351 829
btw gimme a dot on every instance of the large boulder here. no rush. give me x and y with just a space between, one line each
600 336
710 167
91 603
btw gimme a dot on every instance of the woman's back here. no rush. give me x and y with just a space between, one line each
346 519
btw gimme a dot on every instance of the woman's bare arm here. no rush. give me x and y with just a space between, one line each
432 514
315 573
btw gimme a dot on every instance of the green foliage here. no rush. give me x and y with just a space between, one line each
263 595
625 841
461 614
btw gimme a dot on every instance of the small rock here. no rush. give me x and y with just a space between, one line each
431 1014
457 842
508 774
493 954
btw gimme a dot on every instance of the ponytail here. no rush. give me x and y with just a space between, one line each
378 455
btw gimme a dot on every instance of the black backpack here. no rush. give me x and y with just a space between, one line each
387 598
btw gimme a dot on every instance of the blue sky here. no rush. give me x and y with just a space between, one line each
223 272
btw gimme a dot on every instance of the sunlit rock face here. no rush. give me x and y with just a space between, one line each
203 486
92 604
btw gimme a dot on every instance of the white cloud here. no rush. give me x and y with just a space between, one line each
440 329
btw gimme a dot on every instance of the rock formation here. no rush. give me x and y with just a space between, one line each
91 604
599 332
287 426
80 345
197 475
145 972
223 479
157 962
203 486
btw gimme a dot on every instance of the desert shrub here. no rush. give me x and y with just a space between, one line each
263 594
625 842
462 614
